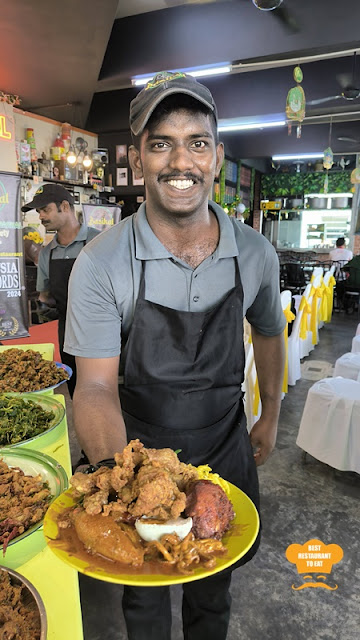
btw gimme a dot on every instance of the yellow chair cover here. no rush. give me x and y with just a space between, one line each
290 316
316 293
256 398
323 312
329 294
304 323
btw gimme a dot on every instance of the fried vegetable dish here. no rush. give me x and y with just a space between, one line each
24 371
21 419
23 502
19 615
153 486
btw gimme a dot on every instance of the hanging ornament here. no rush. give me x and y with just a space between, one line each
355 176
328 159
298 74
295 101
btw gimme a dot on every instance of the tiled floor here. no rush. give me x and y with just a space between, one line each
299 502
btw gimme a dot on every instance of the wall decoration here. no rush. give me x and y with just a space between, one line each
121 154
121 177
137 181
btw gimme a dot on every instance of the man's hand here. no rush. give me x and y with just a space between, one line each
263 438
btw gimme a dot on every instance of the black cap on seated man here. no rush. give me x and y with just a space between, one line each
48 193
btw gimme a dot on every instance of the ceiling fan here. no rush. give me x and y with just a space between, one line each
349 85
279 11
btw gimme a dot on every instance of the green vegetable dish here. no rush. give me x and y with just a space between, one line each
23 419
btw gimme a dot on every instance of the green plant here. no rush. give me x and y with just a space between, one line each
287 184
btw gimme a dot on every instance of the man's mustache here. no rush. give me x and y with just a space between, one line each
187 175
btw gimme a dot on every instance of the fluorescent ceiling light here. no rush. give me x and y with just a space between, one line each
197 72
250 125
215 71
299 156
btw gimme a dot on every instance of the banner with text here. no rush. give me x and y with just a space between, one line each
101 216
13 299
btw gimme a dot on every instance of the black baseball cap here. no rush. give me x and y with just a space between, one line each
165 84
48 193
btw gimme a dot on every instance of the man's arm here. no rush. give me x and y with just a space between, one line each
98 421
269 354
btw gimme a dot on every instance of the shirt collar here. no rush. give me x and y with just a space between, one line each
149 247
81 236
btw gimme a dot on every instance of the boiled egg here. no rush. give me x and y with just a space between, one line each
149 531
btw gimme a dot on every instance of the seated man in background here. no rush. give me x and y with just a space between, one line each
55 206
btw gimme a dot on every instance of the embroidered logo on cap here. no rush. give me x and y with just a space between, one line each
163 76
40 190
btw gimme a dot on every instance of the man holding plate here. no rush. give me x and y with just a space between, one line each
163 295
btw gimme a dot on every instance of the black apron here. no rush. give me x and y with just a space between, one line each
59 274
182 386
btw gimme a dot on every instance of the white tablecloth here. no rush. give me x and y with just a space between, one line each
330 424
348 366
355 348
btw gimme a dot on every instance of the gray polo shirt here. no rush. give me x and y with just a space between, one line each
61 252
104 282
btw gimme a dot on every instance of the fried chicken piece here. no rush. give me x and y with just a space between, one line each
107 537
94 503
83 483
157 495
87 482
210 509
123 472
164 458
186 476
116 509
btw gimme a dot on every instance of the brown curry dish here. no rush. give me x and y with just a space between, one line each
151 485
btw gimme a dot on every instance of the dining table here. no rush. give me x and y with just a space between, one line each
56 582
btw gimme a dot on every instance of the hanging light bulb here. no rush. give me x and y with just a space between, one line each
267 5
87 162
71 157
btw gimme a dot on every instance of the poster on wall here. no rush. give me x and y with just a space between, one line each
137 182
121 177
121 154
101 216
13 300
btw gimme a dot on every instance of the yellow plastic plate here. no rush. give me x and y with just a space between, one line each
238 541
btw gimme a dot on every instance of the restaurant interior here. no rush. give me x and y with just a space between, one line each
293 175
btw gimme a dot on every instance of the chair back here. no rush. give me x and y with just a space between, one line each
294 276
317 271
285 297
338 272
250 387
